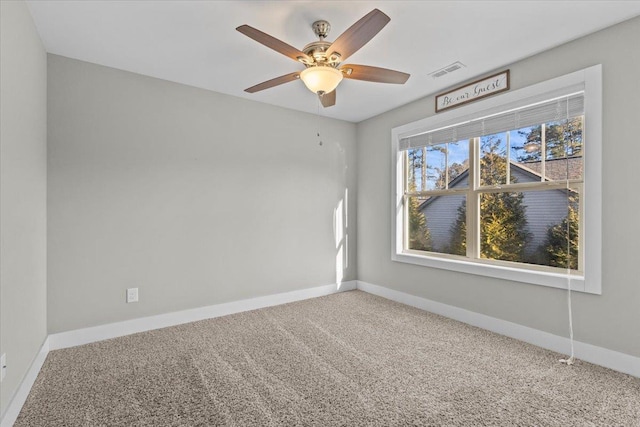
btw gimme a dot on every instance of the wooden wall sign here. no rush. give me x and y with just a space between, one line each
473 91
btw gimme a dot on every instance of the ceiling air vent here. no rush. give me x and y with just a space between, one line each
446 70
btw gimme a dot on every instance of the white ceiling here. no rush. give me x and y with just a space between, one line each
195 42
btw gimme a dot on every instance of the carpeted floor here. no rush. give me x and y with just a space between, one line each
349 359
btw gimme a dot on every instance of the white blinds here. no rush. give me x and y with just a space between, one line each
561 108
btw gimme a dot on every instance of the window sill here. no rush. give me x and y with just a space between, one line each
541 278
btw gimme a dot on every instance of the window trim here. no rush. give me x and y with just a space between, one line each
590 281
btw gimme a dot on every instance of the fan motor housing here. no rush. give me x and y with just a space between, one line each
318 51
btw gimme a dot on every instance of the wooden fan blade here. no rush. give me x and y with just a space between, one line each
274 82
358 34
328 99
373 74
275 44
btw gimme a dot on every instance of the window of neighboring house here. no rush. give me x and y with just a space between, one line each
508 187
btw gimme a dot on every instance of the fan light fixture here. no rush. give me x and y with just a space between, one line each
321 79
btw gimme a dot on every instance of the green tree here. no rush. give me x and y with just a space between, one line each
436 173
562 139
458 243
417 168
503 223
455 170
419 235
560 249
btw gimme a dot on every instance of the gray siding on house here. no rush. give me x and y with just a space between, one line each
441 215
544 209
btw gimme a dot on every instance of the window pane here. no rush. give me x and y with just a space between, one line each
436 166
416 172
526 155
417 232
556 230
458 163
526 144
562 168
563 150
493 159
530 227
445 223
564 138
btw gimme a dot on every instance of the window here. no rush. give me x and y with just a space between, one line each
508 187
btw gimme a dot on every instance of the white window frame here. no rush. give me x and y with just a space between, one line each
590 280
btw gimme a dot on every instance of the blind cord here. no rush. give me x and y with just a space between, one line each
571 360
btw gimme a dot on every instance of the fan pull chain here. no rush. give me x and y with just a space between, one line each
318 122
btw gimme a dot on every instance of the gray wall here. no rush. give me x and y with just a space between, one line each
23 193
194 197
609 320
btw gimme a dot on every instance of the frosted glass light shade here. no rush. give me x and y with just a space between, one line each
321 79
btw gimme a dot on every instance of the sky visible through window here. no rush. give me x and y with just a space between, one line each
457 158
455 155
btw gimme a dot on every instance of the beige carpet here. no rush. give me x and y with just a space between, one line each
350 359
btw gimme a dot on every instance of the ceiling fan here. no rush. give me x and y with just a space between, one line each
322 59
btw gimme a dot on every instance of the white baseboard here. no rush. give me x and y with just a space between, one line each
128 327
118 329
601 356
590 353
13 410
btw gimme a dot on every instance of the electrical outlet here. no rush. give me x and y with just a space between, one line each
132 295
3 366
